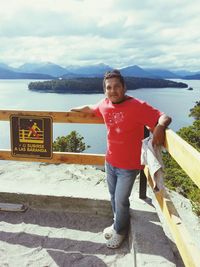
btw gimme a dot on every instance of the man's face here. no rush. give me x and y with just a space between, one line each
114 90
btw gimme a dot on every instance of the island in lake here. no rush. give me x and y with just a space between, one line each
94 85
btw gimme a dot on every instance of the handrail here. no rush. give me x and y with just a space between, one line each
57 116
189 159
180 150
59 157
188 251
185 155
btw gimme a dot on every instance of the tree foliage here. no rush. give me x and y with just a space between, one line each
191 134
195 111
175 178
72 142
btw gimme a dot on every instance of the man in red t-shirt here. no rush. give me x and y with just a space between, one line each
125 118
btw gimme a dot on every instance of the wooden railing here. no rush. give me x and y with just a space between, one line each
58 117
185 155
189 160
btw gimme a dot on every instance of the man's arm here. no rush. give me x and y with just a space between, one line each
84 109
159 130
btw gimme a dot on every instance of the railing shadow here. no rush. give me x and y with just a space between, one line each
69 239
57 219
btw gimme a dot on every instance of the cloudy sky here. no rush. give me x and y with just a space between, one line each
149 33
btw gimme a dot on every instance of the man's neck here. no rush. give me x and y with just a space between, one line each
122 100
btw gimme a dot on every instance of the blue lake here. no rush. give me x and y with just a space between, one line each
14 94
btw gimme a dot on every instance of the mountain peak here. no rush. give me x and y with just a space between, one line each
135 71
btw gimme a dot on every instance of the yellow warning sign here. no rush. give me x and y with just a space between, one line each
31 136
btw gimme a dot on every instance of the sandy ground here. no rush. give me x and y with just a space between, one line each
50 238
191 221
56 238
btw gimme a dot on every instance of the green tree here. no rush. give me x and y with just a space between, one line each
72 142
195 111
191 134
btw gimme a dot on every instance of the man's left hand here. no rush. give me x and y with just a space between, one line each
158 135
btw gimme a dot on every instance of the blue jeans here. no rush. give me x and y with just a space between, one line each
120 184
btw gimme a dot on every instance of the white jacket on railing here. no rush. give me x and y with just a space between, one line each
152 157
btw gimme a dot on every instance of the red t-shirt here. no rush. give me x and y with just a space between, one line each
125 129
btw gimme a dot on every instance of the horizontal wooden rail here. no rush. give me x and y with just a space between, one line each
184 243
57 116
60 157
185 155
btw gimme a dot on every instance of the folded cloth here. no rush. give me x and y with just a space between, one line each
152 157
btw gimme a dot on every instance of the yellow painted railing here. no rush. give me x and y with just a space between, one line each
185 155
189 159
58 117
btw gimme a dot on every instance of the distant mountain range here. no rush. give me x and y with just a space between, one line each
9 74
50 70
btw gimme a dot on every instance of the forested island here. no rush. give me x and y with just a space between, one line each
94 85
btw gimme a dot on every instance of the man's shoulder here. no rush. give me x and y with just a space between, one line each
135 101
103 101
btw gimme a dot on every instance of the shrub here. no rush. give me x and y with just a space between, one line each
72 142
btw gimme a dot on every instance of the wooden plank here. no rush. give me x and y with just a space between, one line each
12 207
185 245
61 117
60 157
185 155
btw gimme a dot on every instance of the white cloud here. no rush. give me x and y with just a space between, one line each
151 33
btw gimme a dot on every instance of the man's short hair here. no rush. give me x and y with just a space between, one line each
113 74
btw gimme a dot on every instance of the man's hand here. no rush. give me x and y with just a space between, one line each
84 109
159 130
158 135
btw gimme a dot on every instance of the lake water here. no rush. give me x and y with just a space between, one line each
14 94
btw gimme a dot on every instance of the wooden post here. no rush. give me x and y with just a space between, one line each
143 179
143 185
